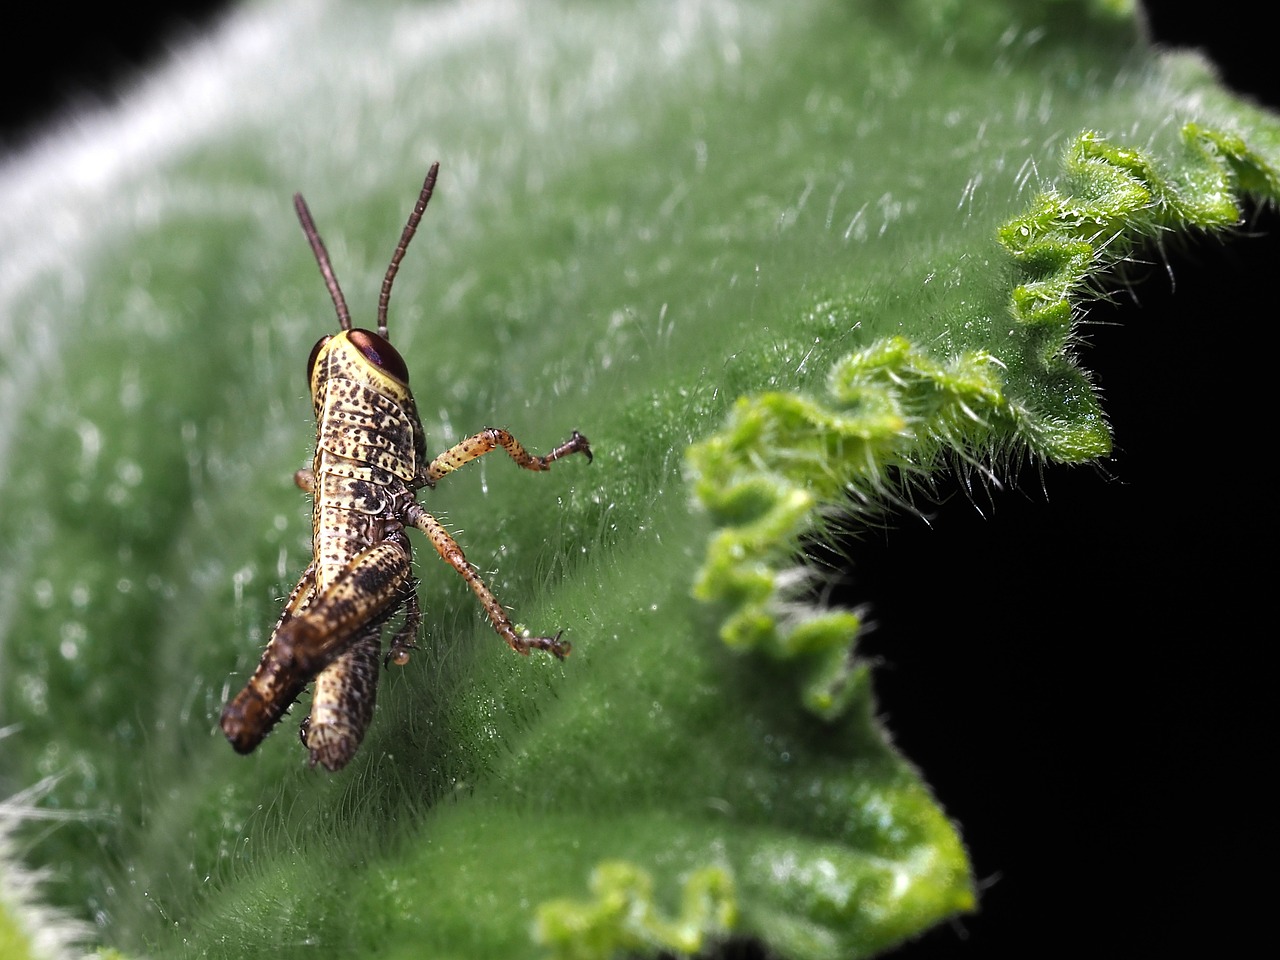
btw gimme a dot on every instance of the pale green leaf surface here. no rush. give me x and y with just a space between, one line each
645 213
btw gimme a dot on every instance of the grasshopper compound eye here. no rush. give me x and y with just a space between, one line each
315 352
380 353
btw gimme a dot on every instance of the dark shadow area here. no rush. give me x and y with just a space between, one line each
1230 34
61 59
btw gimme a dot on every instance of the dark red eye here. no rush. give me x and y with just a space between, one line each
380 353
315 352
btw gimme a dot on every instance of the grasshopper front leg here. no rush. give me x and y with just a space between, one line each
491 438
452 554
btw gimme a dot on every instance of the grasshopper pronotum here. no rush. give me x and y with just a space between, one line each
370 460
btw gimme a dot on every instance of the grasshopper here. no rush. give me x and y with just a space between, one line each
370 461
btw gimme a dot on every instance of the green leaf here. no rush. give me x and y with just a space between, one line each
777 261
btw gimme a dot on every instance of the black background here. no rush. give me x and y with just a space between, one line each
1096 738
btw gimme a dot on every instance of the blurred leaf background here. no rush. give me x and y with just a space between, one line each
644 212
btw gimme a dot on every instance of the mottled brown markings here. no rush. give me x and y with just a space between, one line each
342 705
276 684
370 459
367 586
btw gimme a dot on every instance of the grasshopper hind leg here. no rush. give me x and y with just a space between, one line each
342 702
345 691
274 685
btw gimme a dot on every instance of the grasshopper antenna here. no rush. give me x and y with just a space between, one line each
322 258
428 187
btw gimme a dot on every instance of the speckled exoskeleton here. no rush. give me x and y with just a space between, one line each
370 461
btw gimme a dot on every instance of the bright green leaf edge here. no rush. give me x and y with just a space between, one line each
892 413
482 802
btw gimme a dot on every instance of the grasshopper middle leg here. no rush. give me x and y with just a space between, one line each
452 554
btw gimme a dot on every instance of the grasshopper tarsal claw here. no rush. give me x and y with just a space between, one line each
552 645
370 461
575 444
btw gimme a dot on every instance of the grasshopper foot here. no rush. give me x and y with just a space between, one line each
399 652
575 444
553 645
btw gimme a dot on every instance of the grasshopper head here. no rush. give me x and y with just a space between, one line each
359 355
353 353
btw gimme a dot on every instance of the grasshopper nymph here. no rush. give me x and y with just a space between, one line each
370 461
